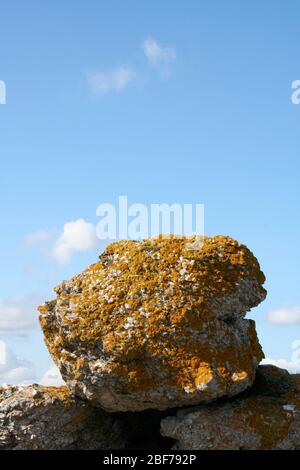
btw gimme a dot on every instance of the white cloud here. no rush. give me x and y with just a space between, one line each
113 80
285 316
52 377
13 370
159 57
19 317
291 366
77 236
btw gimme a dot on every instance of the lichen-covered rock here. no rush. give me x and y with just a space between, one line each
265 417
157 324
36 417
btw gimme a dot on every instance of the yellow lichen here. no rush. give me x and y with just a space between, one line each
146 300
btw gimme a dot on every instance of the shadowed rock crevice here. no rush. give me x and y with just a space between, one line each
143 430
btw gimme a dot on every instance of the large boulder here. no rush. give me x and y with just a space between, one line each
158 323
267 417
45 418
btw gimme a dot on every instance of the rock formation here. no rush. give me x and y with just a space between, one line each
267 416
45 418
157 324
151 327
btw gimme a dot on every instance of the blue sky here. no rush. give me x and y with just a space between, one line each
91 115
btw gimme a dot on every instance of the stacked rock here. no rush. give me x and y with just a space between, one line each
48 418
160 324
267 416
156 324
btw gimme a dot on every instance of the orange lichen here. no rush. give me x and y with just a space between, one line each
148 300
265 417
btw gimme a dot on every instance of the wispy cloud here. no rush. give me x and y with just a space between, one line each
13 370
112 80
52 377
19 316
158 56
285 316
40 237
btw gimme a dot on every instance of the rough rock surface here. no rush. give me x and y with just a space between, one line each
266 417
45 418
157 324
